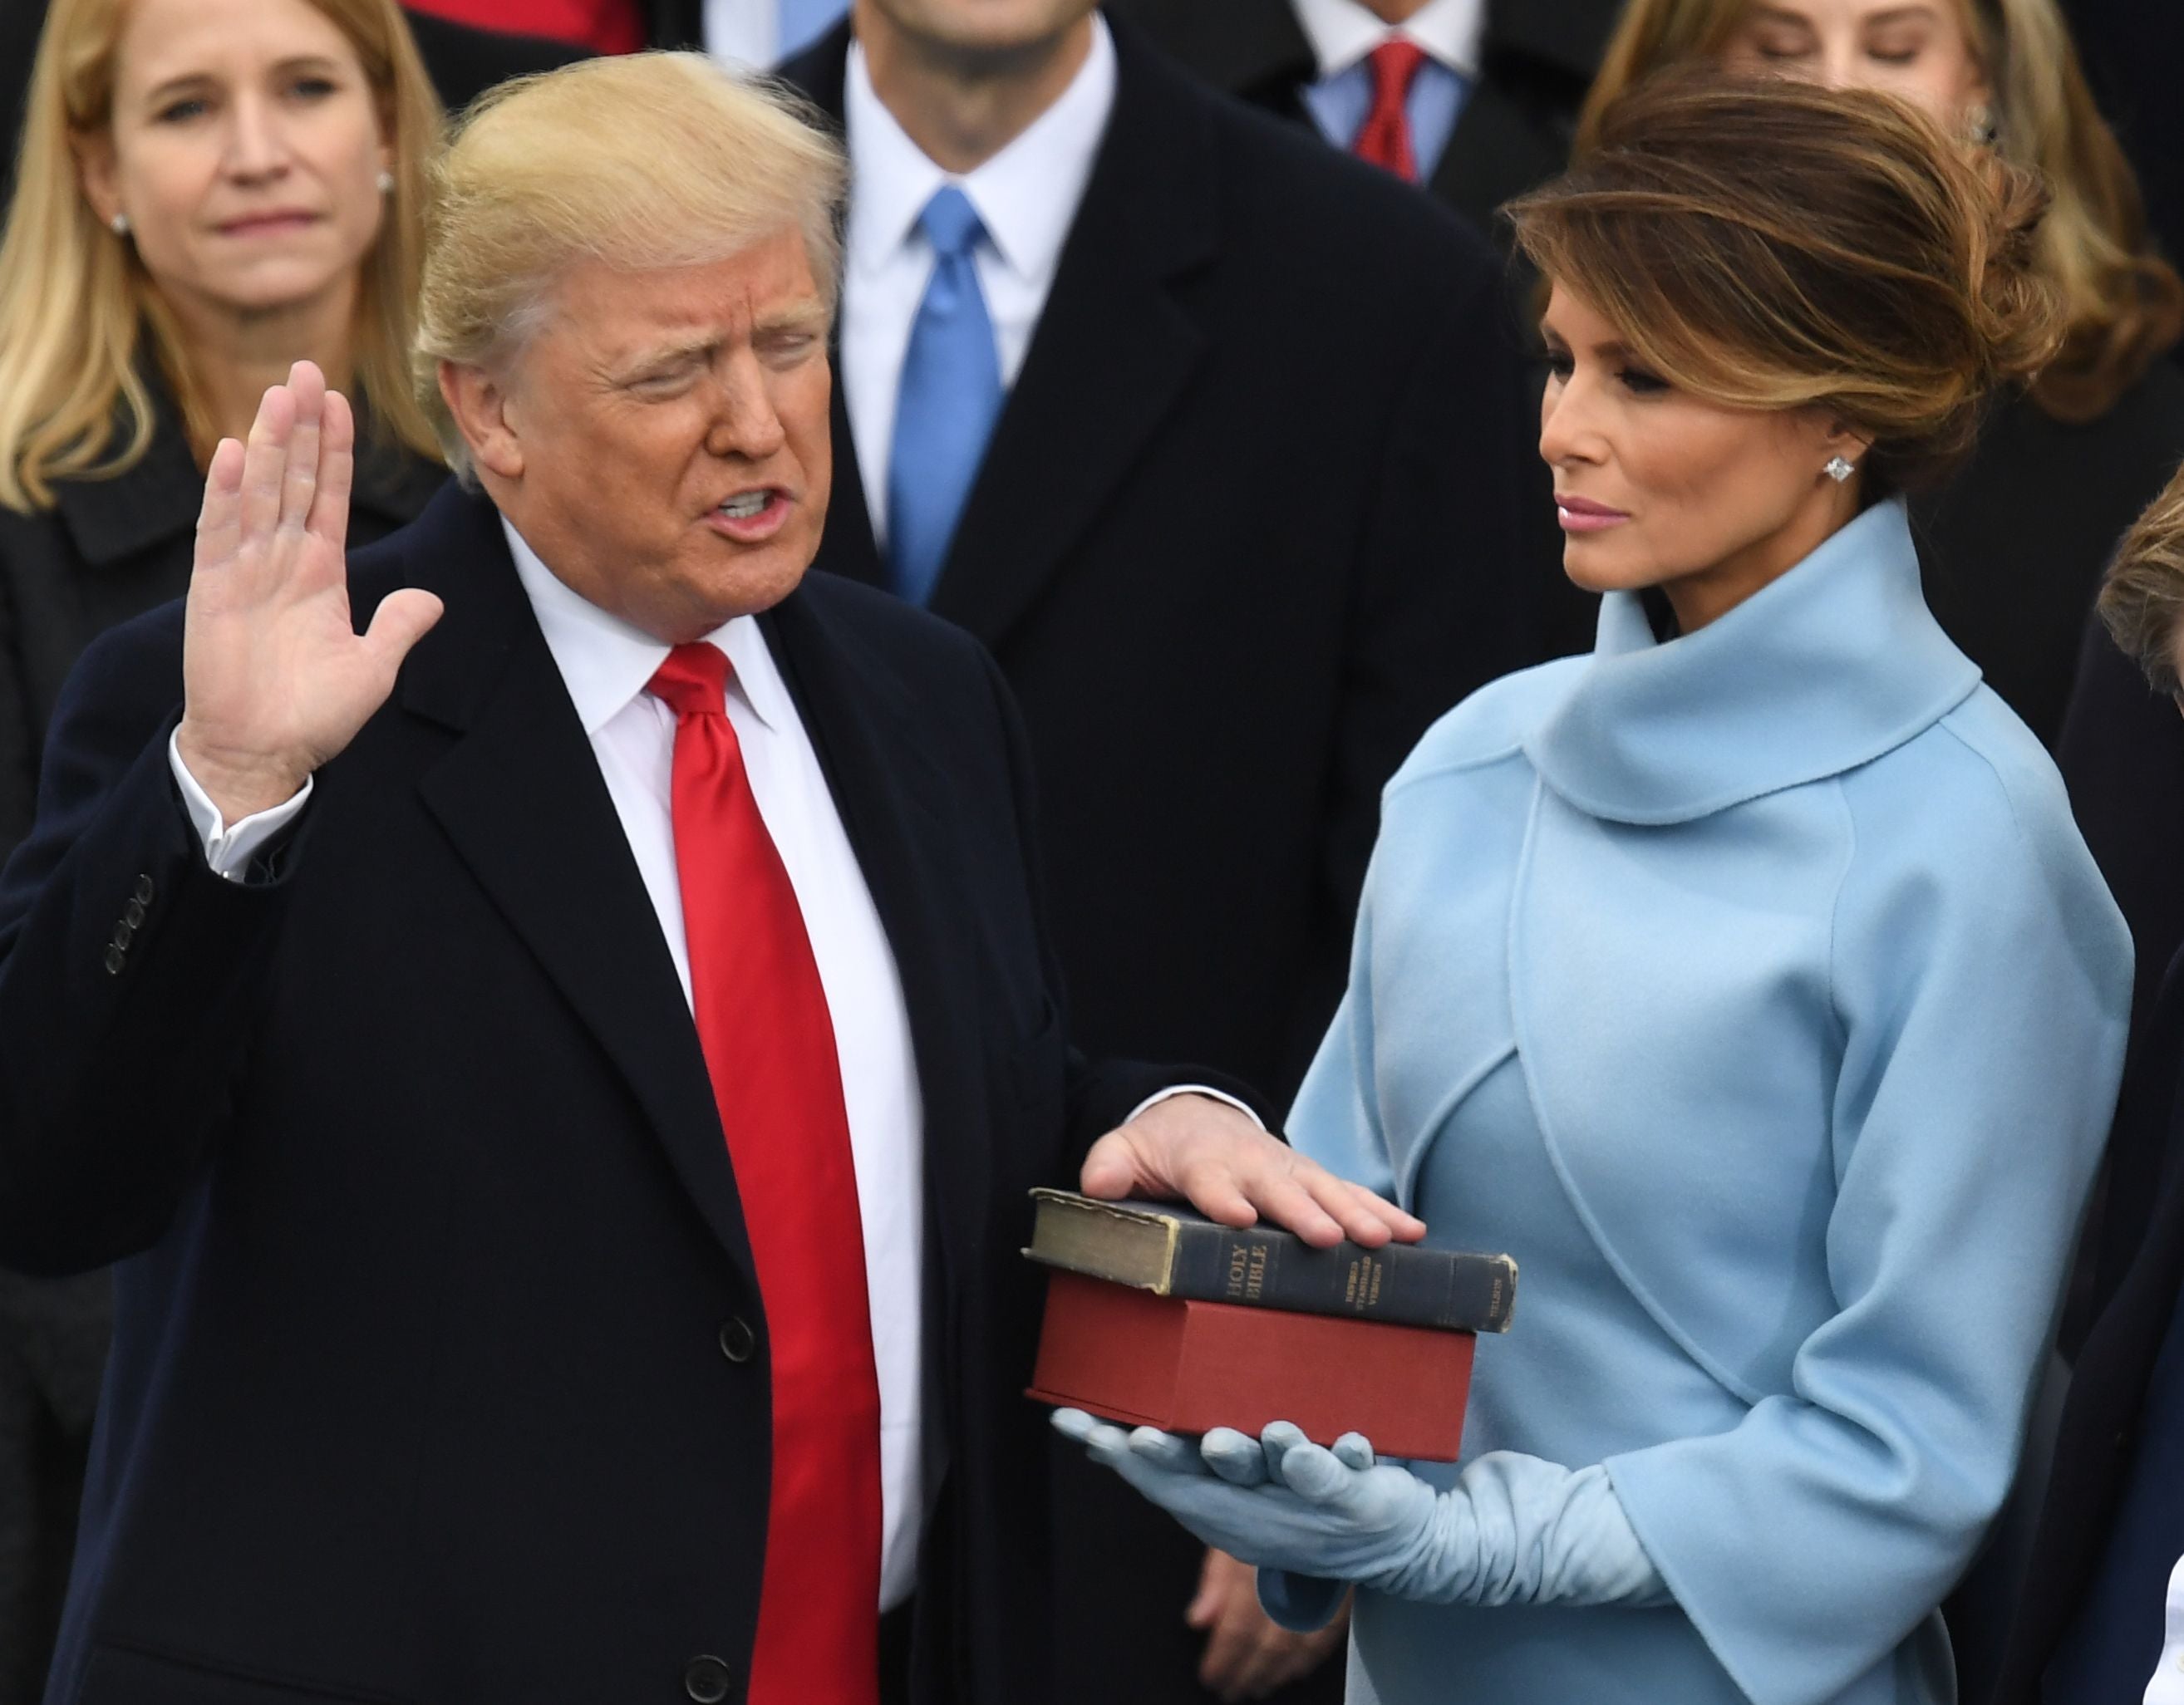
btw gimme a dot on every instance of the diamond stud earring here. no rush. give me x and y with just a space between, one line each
1839 469
119 225
387 183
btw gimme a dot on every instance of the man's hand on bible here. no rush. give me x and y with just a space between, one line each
1216 1158
276 679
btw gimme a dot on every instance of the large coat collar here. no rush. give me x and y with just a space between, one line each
1829 667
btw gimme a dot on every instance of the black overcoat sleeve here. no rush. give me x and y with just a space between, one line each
128 973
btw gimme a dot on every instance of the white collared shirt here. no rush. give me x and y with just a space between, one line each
1342 32
2166 1686
1026 196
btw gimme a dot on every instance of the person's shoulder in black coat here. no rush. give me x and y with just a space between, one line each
2013 547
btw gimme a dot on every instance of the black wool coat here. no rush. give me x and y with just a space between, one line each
433 1276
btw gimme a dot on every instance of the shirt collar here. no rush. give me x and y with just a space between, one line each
1342 32
605 663
1026 195
1825 669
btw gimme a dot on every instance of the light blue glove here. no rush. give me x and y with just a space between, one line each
1512 1530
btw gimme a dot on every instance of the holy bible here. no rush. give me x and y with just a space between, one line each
1171 1251
1158 1317
1188 1366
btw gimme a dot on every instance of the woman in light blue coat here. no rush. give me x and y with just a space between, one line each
1747 979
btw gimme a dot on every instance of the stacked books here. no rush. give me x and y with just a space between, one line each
1158 1317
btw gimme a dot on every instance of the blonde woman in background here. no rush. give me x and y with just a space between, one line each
2013 548
207 190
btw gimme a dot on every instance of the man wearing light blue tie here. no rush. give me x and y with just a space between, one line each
1219 442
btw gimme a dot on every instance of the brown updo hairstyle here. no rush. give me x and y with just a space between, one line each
1777 245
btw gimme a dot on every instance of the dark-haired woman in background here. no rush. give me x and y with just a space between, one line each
208 190
2013 546
1747 979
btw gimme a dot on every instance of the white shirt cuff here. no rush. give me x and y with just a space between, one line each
1170 1094
229 847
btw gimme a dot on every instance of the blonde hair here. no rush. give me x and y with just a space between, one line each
2142 601
2123 304
643 161
75 302
1776 246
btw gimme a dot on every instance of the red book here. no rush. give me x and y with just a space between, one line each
1188 1366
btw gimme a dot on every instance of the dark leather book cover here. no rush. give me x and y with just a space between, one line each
1188 1366
1174 1252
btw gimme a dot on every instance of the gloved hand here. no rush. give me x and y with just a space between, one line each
1512 1530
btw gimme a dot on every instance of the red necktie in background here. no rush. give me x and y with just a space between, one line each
1385 139
769 1046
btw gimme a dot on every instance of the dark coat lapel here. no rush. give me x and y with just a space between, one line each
1112 352
675 23
521 796
862 720
849 547
1495 152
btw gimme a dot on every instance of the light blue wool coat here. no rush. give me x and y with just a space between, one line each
1755 990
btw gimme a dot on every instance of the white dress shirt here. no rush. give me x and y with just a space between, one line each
1342 32
1026 196
2166 1686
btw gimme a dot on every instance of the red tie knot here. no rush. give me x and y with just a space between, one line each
1394 63
693 681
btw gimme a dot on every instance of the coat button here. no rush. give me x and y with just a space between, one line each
134 912
144 891
123 933
115 958
738 1343
705 1679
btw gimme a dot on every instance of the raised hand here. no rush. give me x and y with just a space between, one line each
276 679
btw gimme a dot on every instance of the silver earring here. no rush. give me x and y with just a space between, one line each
387 183
1839 469
119 225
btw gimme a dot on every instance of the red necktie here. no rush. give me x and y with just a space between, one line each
1385 139
769 1046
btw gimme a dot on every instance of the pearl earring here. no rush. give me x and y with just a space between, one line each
1839 469
387 183
1979 124
119 225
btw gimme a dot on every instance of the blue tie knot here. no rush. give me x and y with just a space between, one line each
951 225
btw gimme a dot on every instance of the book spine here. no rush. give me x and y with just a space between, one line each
1404 1284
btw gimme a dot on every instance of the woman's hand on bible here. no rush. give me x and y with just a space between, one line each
276 679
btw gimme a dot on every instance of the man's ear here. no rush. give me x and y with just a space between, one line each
478 400
98 173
